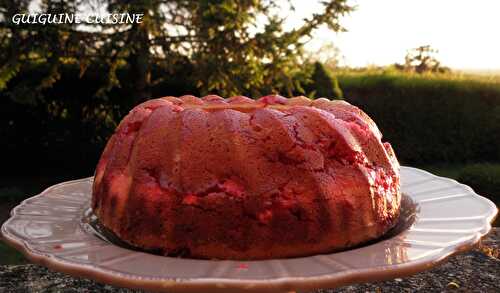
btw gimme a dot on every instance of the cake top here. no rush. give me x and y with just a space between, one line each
242 103
340 109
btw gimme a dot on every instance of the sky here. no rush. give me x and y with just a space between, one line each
466 33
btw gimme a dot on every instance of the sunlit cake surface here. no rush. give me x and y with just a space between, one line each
246 179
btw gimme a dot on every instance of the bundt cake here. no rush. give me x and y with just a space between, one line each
246 179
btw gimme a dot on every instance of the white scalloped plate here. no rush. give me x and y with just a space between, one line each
48 229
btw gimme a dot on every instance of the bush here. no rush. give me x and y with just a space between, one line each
484 179
323 83
430 119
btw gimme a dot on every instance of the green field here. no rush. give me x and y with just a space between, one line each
433 79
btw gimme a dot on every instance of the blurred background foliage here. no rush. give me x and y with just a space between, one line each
64 87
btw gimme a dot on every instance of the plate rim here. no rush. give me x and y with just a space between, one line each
286 283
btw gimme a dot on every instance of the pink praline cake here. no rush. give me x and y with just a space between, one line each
246 179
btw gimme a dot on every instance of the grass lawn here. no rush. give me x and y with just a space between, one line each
9 255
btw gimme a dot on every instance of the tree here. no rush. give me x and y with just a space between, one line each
422 59
65 86
323 84
235 47
226 47
24 45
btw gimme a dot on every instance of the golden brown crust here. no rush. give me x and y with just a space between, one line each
246 179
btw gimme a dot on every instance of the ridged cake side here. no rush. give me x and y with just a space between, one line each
246 179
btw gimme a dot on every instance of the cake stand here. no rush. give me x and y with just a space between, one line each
440 217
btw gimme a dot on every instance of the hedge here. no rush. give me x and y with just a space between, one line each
430 119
